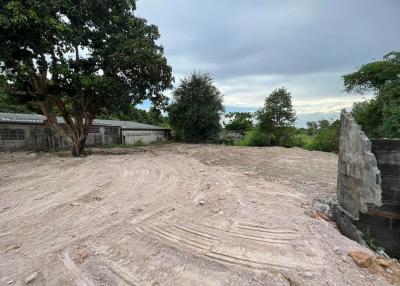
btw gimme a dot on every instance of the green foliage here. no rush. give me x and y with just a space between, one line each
9 103
196 111
79 58
312 127
371 241
327 137
369 115
378 117
139 115
240 122
256 138
277 117
304 141
374 76
278 111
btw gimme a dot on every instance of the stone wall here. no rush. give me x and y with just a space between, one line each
358 173
23 136
368 187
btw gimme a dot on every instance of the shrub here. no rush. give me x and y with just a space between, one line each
304 141
257 138
327 139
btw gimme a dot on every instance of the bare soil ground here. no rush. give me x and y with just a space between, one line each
172 215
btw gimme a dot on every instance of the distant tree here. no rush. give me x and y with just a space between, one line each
138 115
240 122
77 59
379 117
312 127
327 137
196 111
278 111
324 123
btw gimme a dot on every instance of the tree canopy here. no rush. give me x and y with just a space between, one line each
196 111
78 58
278 111
379 117
240 122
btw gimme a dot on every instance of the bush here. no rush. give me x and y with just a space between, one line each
257 138
285 137
327 139
304 141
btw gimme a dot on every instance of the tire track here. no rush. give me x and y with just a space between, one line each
213 246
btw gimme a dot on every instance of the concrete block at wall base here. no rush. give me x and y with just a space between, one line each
391 183
390 196
389 170
382 236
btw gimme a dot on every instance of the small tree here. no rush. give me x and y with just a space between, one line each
240 122
196 112
278 111
76 59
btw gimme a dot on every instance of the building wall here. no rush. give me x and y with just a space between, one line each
40 137
144 136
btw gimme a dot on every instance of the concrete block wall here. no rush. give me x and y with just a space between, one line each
368 187
383 222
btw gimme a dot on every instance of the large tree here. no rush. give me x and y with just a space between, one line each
78 58
379 117
196 111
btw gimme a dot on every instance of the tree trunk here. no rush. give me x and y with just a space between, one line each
78 128
78 146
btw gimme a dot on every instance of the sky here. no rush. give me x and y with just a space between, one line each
253 47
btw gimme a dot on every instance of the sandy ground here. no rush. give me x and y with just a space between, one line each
172 215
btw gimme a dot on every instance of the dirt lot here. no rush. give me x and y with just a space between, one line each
172 215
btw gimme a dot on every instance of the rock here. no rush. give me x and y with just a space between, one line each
323 216
31 277
75 204
361 258
202 202
12 247
201 170
80 255
308 275
382 262
336 249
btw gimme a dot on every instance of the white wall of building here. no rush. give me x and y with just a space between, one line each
130 137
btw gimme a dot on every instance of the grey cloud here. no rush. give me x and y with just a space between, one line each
252 47
275 37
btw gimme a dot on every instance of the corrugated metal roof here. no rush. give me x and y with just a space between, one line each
39 119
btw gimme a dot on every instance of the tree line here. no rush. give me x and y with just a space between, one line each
85 59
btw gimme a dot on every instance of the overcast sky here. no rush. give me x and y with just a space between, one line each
252 47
